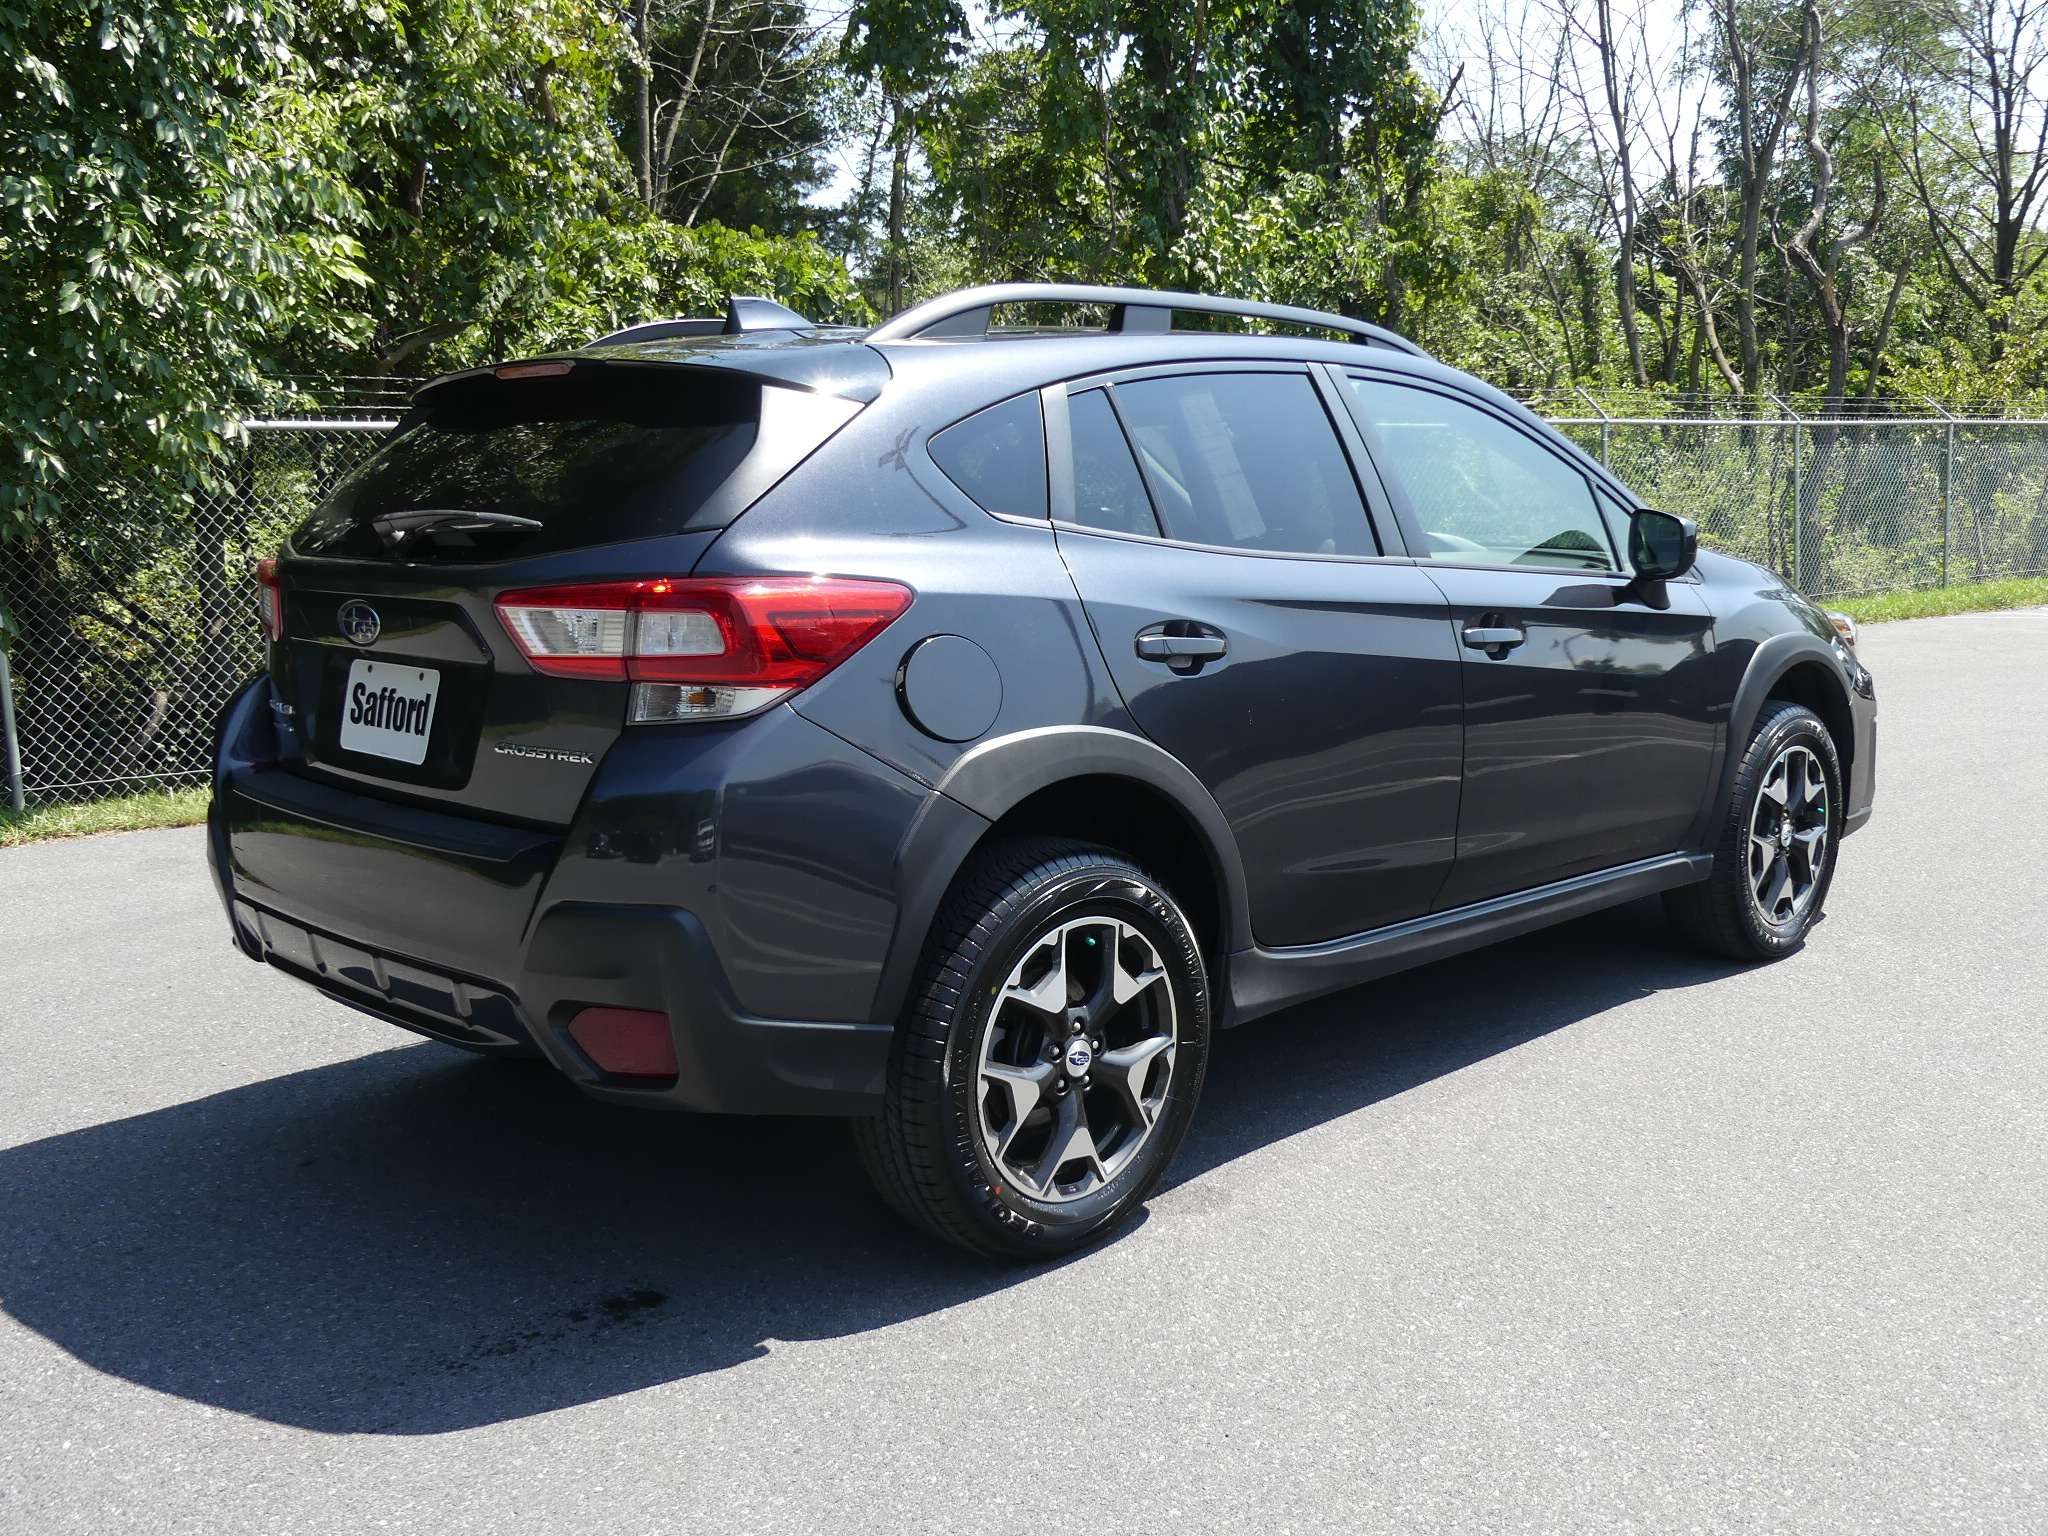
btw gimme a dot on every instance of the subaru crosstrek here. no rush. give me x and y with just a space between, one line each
951 727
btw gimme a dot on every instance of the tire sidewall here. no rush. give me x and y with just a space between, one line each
1792 728
1108 890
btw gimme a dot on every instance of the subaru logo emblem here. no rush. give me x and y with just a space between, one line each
1079 1058
360 623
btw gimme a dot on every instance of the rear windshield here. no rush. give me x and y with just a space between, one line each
593 460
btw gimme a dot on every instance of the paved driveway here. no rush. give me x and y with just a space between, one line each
1584 1233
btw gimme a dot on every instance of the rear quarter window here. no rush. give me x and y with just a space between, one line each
997 457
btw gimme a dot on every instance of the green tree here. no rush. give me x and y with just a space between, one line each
159 222
1128 142
496 210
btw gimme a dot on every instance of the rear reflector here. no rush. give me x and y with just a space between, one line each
269 603
626 1042
703 648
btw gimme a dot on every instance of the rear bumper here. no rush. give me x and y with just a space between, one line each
586 955
589 954
458 1009
443 925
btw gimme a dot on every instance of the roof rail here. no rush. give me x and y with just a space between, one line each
1133 311
743 312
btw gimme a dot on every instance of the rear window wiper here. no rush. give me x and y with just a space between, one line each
394 528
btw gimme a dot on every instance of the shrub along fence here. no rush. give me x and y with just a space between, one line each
131 642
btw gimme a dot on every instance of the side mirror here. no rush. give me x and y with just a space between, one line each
1661 546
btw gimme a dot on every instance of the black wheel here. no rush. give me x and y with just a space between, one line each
1048 1064
1776 854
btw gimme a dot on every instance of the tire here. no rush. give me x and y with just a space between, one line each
1776 855
988 1079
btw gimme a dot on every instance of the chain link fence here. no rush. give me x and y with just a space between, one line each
1875 497
130 644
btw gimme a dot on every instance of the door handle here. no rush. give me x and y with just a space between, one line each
1182 644
1167 647
1496 639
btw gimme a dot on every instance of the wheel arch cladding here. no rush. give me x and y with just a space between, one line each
1798 662
1142 823
1117 789
1809 683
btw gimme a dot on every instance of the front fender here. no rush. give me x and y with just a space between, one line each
1768 664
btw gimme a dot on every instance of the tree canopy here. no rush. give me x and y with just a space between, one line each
209 206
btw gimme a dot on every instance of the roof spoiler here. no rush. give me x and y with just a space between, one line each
1133 311
743 312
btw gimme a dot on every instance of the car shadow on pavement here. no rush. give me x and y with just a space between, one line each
413 1241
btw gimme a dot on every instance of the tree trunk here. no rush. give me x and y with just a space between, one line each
1166 57
1625 263
899 167
643 103
1884 329
1824 273
1759 128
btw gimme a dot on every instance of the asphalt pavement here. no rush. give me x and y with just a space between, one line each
1584 1233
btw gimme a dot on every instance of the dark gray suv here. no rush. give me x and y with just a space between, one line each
950 727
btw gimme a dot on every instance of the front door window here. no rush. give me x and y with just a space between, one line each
1483 492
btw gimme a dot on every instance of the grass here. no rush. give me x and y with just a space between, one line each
119 813
1932 601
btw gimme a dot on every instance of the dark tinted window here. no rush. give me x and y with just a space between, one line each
997 456
1246 460
1108 492
593 460
1484 493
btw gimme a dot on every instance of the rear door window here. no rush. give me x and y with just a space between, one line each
592 460
1108 491
1483 492
997 457
1247 461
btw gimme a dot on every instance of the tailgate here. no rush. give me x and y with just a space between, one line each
397 682
392 663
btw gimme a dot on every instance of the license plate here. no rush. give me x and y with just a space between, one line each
388 710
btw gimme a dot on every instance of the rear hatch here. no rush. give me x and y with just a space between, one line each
397 671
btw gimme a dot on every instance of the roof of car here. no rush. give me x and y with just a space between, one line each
978 369
853 362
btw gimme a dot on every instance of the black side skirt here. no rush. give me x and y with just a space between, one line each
1263 980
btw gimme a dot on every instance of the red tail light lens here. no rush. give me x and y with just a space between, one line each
269 601
704 648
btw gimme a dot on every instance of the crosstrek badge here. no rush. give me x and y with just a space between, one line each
388 710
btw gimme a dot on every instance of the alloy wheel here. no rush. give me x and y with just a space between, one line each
1788 836
1077 1059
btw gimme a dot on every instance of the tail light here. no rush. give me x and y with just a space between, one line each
705 648
269 602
